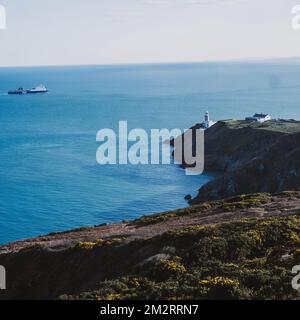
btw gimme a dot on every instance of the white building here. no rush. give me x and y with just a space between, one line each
207 122
259 117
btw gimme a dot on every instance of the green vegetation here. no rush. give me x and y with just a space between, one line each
101 243
229 204
243 258
240 202
247 259
290 194
282 126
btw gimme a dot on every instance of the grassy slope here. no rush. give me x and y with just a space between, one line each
283 126
238 260
244 258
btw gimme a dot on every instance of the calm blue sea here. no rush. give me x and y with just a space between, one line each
49 178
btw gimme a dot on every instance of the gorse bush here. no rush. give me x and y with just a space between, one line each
248 259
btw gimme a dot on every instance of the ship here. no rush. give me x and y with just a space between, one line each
38 89
18 91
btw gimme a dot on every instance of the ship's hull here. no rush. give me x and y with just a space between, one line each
35 92
17 92
26 92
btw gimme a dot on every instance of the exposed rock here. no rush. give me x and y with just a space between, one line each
251 157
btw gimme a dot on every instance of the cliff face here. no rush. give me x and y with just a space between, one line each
251 157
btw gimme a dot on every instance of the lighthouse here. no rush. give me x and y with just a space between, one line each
207 123
206 120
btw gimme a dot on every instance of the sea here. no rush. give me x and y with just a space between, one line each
49 178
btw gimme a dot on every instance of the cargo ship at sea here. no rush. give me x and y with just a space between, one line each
38 89
18 91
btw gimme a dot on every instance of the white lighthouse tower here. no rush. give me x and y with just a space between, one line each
206 120
207 123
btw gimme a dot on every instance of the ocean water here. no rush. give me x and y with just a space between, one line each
49 178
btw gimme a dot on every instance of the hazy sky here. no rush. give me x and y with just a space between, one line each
51 32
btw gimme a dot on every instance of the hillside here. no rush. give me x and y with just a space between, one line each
251 157
236 248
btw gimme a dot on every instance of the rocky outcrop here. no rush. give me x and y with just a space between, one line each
251 157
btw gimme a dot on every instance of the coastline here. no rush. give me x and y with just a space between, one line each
150 226
164 248
218 163
150 156
215 243
217 160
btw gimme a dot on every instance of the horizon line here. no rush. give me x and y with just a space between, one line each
246 59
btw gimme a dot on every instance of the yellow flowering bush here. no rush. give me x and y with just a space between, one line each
295 237
134 282
220 281
100 242
86 245
297 253
255 235
113 296
172 266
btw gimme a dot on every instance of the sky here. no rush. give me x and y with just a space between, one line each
70 32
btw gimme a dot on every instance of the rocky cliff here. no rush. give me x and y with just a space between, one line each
251 157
